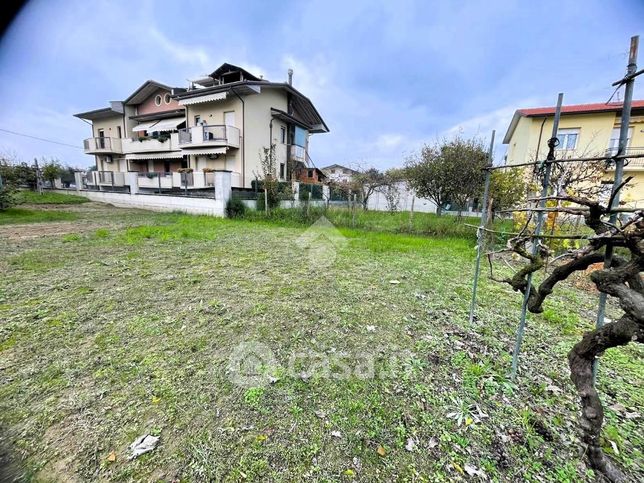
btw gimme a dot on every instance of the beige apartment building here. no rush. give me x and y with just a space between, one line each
220 122
584 130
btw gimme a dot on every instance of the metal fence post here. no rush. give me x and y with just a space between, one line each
537 232
480 233
619 171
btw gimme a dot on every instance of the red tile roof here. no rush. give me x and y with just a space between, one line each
580 108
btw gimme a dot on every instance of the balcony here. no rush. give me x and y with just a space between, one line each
298 153
151 144
209 136
102 145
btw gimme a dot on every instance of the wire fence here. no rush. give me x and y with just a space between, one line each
547 220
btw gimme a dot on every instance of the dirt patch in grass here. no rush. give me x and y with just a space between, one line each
25 232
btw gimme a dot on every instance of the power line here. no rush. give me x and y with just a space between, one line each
40 139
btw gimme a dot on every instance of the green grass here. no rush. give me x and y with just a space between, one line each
48 198
130 327
23 215
428 224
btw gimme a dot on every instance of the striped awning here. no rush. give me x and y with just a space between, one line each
219 96
205 151
168 124
144 126
143 157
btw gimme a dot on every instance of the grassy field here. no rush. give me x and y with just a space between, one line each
31 206
130 323
48 198
24 215
427 224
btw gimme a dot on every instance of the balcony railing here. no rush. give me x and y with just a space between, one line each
298 153
154 179
151 144
111 178
216 135
185 136
634 163
102 145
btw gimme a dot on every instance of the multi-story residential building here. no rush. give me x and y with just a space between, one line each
225 121
584 130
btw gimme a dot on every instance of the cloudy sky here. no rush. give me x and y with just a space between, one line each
385 75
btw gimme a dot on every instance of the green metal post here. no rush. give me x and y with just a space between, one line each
480 233
619 171
535 242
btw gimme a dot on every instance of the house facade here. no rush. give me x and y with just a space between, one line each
584 130
224 121
338 173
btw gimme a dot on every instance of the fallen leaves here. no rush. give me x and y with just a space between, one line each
381 451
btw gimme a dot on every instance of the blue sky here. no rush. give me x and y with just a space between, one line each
386 76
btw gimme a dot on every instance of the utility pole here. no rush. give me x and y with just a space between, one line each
628 81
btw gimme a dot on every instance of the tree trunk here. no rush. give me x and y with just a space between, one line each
580 360
439 209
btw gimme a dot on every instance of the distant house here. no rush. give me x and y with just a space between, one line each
339 173
311 175
584 130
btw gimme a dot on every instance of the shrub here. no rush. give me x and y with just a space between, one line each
7 199
235 208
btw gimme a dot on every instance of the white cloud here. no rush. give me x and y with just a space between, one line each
176 52
389 141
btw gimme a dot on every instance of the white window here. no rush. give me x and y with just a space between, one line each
614 139
229 118
283 135
567 138
157 100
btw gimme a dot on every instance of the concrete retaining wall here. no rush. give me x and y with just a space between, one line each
195 206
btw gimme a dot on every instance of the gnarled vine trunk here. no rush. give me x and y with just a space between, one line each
622 281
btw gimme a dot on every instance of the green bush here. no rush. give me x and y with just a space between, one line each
235 208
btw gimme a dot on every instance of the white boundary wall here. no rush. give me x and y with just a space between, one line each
378 201
166 203
195 206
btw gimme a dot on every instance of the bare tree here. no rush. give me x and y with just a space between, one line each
366 182
390 188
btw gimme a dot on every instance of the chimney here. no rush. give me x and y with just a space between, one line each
290 77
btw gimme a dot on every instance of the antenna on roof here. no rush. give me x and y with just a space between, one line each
290 77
